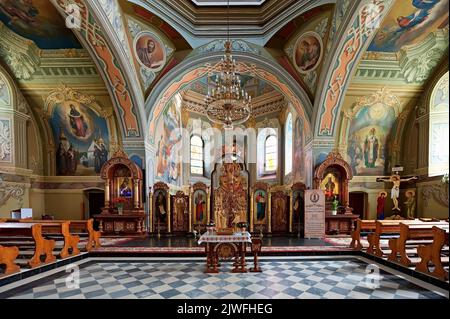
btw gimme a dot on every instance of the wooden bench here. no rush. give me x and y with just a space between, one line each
7 257
361 225
60 228
78 227
408 232
34 231
386 227
432 253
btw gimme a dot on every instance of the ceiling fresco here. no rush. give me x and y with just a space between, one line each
409 22
39 21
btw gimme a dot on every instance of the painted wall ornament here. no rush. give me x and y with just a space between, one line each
5 140
308 52
11 190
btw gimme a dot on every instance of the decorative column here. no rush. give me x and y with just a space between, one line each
150 209
269 228
252 209
136 193
291 209
191 193
169 213
107 193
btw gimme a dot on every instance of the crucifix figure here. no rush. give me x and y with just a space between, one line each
396 180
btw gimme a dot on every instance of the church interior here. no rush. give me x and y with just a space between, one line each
262 149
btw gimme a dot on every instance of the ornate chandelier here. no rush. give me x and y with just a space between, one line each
227 103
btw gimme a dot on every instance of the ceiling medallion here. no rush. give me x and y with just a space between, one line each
227 103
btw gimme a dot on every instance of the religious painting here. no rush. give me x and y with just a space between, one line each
260 206
160 209
298 208
39 21
149 50
369 135
298 163
280 211
82 139
168 151
308 52
330 184
199 202
125 187
180 212
409 22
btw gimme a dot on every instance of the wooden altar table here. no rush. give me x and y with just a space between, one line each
225 247
340 223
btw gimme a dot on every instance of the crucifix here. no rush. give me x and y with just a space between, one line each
396 180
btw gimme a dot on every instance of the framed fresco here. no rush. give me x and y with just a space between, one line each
308 51
149 51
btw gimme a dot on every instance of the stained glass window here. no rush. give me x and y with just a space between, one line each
271 154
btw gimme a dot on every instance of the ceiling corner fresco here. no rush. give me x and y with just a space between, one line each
152 50
38 21
307 47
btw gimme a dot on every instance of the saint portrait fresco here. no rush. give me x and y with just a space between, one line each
368 135
308 52
82 139
298 163
149 51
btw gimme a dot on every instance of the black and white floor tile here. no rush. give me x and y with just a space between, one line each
337 278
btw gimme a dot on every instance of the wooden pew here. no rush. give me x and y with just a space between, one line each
386 227
421 231
33 230
361 225
75 226
62 228
432 253
7 257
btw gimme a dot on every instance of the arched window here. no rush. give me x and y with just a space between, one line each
438 129
196 155
270 154
288 145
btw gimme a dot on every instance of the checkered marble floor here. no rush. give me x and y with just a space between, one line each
184 279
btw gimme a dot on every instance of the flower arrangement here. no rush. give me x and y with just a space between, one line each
119 201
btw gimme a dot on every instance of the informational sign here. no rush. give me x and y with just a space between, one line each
314 213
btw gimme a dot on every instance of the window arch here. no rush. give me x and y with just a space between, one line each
288 145
197 155
270 154
438 129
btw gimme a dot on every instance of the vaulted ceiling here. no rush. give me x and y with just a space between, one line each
320 47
